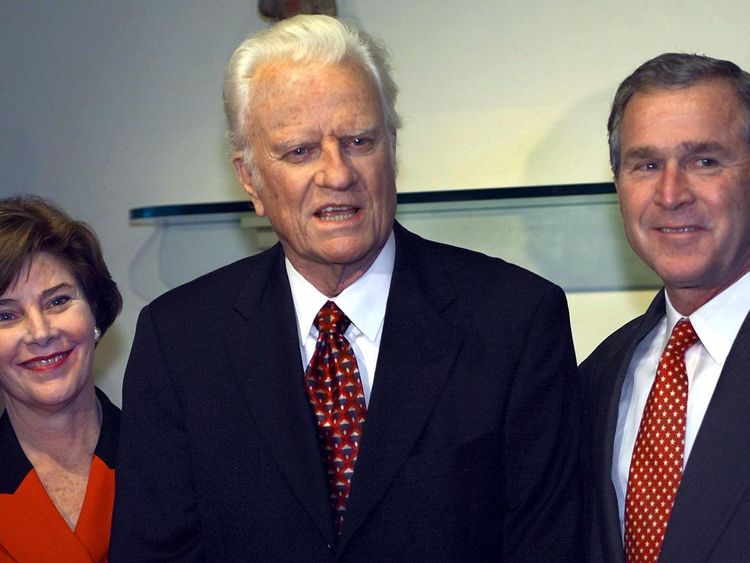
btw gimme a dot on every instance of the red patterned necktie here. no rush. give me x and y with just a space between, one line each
656 465
338 401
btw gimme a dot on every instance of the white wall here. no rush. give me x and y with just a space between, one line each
106 106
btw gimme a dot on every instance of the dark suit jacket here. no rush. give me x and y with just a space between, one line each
710 520
468 450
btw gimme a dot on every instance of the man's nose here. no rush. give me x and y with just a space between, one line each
336 170
674 189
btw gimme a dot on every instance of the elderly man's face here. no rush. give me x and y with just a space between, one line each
684 188
323 167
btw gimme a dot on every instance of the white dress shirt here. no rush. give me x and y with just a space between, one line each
363 303
716 323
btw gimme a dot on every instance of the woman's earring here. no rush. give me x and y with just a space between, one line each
97 334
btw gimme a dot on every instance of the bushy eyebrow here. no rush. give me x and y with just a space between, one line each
285 144
709 147
688 148
65 286
640 152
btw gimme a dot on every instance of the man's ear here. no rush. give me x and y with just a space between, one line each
248 184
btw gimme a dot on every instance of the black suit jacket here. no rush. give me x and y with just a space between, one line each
710 520
468 450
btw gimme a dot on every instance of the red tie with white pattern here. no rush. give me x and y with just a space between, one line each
656 465
338 401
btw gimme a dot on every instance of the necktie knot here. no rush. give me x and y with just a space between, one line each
331 319
683 336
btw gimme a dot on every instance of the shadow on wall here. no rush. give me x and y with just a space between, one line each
178 253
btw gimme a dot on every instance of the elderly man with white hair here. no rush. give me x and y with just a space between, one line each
355 393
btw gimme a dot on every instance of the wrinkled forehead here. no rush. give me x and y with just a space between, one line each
696 113
722 91
278 80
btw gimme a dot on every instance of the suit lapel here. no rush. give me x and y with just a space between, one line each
606 419
417 351
716 476
267 365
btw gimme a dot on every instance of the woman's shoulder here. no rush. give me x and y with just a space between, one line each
15 465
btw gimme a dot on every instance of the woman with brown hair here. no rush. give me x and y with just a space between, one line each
58 434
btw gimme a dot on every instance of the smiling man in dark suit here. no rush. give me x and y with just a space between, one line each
355 393
669 415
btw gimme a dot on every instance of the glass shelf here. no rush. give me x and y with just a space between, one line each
233 210
570 234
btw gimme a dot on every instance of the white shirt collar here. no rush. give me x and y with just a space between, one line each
363 302
717 322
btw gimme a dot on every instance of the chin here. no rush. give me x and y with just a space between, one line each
346 254
680 269
62 394
684 280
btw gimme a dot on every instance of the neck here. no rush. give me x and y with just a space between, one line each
334 283
687 300
332 279
66 431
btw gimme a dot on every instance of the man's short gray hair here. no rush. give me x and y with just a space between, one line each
673 71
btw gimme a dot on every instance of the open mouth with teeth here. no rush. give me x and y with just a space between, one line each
47 362
336 213
678 229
